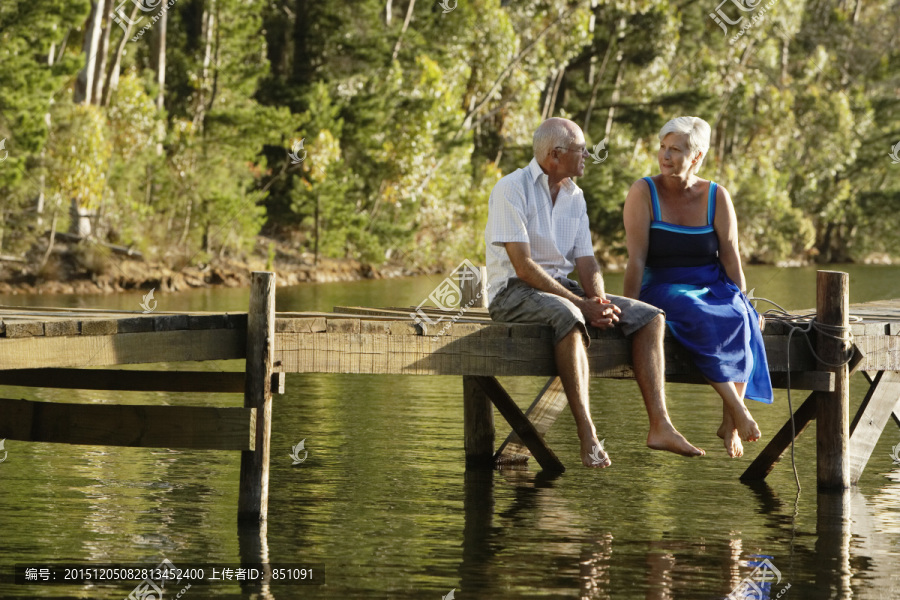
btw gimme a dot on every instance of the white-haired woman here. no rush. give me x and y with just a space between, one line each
682 239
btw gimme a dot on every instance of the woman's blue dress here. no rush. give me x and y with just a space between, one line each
705 309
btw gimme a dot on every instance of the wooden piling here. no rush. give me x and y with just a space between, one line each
253 495
478 412
833 408
473 287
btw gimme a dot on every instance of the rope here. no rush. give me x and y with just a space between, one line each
804 324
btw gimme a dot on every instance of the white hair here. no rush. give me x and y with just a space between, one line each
550 134
696 129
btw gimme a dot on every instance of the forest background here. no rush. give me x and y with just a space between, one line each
196 130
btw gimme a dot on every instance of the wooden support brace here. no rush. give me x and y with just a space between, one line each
520 423
874 412
253 493
542 413
780 442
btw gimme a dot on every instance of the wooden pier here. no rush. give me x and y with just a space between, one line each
63 348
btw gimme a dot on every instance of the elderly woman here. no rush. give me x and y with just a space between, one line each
682 239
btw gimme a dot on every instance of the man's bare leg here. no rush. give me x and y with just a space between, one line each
649 369
572 365
734 403
727 430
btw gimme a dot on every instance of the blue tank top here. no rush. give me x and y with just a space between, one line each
680 245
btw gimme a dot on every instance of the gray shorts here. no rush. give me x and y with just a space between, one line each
521 303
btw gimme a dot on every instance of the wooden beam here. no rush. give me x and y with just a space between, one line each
763 464
194 427
814 381
253 491
542 413
881 352
520 424
873 415
118 379
122 348
490 350
833 408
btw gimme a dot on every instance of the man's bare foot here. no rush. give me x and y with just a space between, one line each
666 437
593 454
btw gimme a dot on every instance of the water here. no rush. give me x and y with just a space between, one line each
384 505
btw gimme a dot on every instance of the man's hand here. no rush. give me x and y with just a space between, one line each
600 312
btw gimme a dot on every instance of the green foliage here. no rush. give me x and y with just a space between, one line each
406 127
78 156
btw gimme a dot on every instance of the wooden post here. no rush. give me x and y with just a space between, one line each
833 408
253 495
473 287
478 412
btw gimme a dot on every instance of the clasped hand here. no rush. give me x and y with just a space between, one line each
600 312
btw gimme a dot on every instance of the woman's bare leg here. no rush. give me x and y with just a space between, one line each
733 400
727 431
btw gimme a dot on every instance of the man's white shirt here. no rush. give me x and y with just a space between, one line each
521 210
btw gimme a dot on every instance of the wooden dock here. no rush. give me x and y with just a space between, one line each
68 348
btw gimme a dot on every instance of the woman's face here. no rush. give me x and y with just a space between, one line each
674 155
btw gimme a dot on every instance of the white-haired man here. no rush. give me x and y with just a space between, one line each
537 233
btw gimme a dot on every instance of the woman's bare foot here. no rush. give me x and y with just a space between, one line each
745 425
733 445
666 437
729 434
593 454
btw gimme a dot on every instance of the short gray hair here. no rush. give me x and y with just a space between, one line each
550 134
696 129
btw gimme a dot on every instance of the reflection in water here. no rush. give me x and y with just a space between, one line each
833 544
671 567
253 546
871 524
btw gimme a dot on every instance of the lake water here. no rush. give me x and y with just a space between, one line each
385 508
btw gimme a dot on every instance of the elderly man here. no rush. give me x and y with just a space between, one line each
537 231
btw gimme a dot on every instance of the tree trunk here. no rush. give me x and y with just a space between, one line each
102 59
597 78
84 84
112 78
206 31
409 12
79 219
161 76
553 92
620 74
161 60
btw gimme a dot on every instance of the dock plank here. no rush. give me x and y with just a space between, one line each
122 348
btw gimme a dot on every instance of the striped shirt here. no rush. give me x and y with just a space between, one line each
521 210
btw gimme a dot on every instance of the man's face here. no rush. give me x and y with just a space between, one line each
571 157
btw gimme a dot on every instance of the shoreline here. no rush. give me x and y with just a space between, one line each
84 271
124 274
